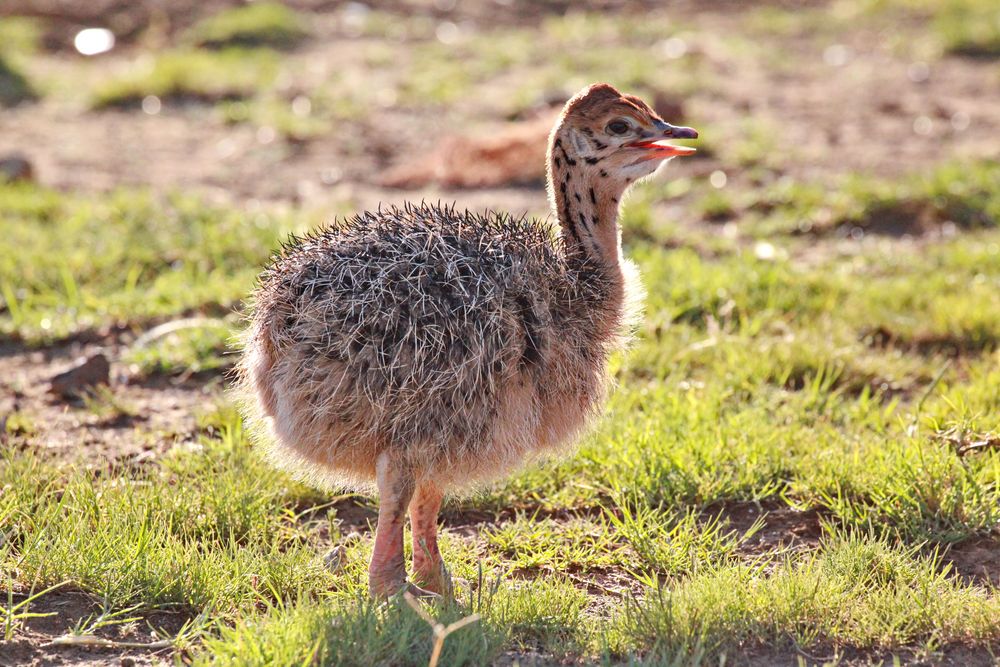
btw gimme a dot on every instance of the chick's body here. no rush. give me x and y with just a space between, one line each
457 344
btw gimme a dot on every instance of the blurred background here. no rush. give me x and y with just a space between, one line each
320 102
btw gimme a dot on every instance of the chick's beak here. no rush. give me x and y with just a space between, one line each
676 131
656 145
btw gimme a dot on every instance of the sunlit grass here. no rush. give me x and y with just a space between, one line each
851 384
571 51
856 591
792 213
960 27
189 75
186 346
243 544
270 24
126 257
19 34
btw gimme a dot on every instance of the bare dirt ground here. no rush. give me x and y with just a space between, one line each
149 415
63 610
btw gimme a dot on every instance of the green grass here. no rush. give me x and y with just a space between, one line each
961 27
189 75
915 29
196 345
279 114
952 196
244 546
848 384
969 28
14 86
19 34
128 257
353 632
563 53
214 64
257 24
854 591
134 540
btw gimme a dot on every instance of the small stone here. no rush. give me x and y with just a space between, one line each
16 167
87 372
93 41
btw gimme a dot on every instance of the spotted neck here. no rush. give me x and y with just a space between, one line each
586 203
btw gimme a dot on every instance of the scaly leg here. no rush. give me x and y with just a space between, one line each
428 568
387 570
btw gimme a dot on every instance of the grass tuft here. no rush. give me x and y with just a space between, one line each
856 592
128 257
969 28
14 87
267 24
189 75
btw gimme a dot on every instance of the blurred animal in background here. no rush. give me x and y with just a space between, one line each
514 154
510 154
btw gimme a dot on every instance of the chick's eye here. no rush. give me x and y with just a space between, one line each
617 127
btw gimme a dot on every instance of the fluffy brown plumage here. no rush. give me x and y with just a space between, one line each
407 330
424 349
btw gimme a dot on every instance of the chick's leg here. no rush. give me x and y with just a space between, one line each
428 568
387 570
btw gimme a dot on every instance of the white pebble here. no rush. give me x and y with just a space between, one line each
92 41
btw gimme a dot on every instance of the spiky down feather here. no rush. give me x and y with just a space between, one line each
461 343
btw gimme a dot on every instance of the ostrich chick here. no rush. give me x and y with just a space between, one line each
421 350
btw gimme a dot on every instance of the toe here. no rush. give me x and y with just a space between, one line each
421 593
